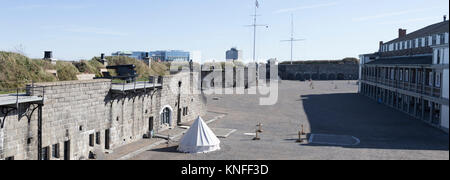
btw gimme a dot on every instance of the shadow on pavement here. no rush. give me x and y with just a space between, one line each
375 125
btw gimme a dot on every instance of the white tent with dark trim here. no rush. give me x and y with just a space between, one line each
199 139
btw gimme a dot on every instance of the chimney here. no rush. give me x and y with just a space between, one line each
103 60
401 33
48 55
445 18
381 45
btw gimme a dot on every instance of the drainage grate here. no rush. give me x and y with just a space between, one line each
335 140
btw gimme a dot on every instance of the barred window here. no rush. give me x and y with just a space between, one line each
55 150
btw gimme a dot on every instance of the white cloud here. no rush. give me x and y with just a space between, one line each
305 7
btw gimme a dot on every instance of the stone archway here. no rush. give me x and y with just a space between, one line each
315 77
332 77
323 76
307 77
291 76
166 115
299 77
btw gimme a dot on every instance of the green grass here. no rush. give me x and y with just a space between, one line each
17 70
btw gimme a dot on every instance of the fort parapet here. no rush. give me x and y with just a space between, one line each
75 118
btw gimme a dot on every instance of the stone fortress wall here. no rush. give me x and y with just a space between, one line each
304 72
81 117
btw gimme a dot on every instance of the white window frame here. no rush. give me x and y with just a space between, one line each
431 79
438 80
407 75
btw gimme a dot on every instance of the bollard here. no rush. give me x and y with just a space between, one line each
300 140
260 128
168 140
303 130
256 137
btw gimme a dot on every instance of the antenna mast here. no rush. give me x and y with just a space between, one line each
292 39
255 25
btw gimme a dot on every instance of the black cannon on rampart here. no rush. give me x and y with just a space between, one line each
124 72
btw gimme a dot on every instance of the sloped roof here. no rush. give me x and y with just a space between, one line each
412 60
437 28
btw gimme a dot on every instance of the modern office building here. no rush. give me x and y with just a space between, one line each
168 56
134 54
411 74
234 54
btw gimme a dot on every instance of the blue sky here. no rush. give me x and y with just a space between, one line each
334 29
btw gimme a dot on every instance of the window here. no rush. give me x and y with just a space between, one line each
434 40
430 82
409 44
438 56
45 153
392 74
91 140
426 42
442 38
97 138
407 75
165 116
401 75
420 42
438 80
55 150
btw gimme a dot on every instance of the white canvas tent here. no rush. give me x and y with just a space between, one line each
199 139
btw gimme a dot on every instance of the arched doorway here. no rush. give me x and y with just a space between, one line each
323 76
166 116
307 77
341 76
299 77
332 77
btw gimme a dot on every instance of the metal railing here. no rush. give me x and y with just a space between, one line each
150 82
408 86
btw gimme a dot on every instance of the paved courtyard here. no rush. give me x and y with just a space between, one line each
344 125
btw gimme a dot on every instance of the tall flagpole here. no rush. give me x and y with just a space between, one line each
255 25
254 31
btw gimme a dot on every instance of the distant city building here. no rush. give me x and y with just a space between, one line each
122 53
168 56
411 73
234 55
133 54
